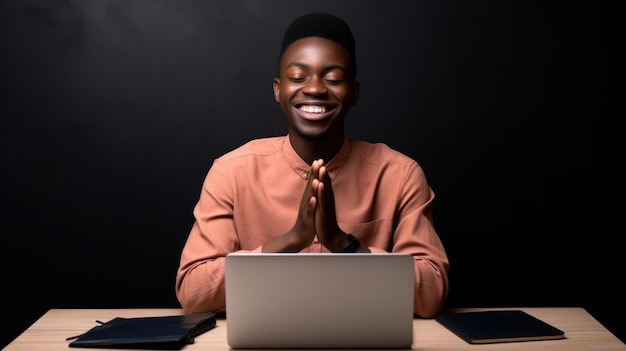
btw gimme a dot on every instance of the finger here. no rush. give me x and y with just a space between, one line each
322 173
311 188
315 168
315 187
320 197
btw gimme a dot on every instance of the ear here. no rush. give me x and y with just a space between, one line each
276 85
356 87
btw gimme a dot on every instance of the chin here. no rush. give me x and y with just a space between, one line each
313 133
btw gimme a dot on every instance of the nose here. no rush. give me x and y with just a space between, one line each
315 86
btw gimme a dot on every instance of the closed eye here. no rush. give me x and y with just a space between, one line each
336 81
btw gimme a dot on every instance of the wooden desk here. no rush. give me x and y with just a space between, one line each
583 332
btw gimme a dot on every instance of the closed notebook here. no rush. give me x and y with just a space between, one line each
486 327
165 333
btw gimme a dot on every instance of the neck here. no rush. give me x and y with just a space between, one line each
311 149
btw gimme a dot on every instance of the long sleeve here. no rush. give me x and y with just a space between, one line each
241 206
415 234
390 210
200 277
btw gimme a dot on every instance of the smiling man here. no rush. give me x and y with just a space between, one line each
315 189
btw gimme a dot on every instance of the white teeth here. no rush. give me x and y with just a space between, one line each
313 109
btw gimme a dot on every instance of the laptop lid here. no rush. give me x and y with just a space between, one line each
319 300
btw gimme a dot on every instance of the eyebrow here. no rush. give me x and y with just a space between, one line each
327 68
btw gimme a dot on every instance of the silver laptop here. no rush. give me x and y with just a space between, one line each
319 300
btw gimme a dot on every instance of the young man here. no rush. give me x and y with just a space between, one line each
313 190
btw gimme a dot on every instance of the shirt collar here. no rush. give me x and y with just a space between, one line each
302 168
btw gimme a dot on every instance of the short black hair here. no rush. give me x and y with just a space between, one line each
324 25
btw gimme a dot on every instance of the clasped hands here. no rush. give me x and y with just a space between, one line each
316 217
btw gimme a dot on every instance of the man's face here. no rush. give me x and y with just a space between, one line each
315 87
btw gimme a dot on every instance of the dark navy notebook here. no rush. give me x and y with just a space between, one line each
486 327
169 332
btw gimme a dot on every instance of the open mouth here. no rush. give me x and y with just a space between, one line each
313 109
315 112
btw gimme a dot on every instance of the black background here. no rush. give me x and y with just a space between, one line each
113 110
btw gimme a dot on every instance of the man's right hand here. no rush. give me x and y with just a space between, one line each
302 233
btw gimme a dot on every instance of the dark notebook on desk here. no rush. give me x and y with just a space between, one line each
162 333
487 327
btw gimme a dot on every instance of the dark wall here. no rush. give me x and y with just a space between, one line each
113 110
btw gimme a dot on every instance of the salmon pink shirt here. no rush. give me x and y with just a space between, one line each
252 194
